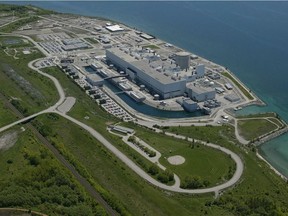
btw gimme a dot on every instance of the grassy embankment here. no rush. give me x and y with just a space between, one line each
7 116
33 179
254 126
242 89
251 129
29 91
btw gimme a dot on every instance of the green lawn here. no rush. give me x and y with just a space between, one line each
214 134
33 179
207 163
6 116
254 128
41 92
276 121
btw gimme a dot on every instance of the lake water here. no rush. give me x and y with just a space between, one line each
250 38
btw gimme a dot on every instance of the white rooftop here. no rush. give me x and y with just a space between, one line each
114 28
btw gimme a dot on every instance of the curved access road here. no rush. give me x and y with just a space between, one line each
144 175
124 158
50 109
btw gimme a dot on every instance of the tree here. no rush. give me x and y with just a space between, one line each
153 169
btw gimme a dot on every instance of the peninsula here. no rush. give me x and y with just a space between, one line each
78 86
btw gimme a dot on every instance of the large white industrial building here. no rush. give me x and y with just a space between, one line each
199 93
140 71
166 82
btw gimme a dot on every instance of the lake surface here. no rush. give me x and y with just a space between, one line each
250 38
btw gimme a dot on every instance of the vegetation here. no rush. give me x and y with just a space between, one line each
148 151
19 23
30 91
6 115
131 194
242 89
194 182
91 40
33 179
206 163
14 42
22 11
253 128
151 46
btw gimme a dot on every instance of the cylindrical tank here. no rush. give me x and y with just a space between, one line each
156 97
183 60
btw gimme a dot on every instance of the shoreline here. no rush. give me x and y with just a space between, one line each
271 167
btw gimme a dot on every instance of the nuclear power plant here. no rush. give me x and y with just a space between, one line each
165 77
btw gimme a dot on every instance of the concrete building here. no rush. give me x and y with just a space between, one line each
189 105
200 70
114 28
121 129
228 86
140 71
183 60
232 98
199 93
146 36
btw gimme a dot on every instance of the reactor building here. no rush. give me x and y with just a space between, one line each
167 78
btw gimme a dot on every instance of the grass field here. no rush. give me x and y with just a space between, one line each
33 94
276 121
33 179
19 23
253 128
201 161
6 116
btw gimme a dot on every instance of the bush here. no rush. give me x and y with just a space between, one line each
192 182
162 177
153 169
